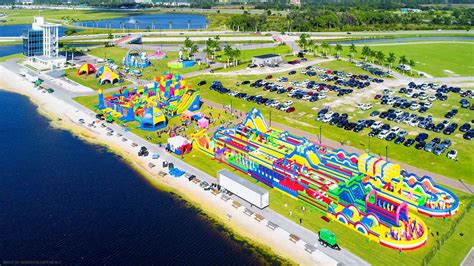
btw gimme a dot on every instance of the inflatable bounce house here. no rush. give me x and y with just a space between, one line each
180 63
136 59
364 192
151 105
158 54
86 69
179 145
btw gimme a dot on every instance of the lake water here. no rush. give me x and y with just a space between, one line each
68 201
408 39
154 21
10 49
17 30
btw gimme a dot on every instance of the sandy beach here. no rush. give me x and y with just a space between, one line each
65 115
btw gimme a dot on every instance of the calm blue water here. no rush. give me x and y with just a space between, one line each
17 30
392 40
10 49
155 21
64 200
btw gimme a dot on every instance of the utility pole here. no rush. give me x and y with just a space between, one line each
386 153
320 135
270 118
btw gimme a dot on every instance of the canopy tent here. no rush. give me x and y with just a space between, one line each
179 145
203 123
86 69
101 70
186 115
110 77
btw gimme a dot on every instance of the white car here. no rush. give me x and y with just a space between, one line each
376 125
322 96
326 119
395 130
432 98
288 103
306 97
414 107
452 154
383 134
275 104
428 105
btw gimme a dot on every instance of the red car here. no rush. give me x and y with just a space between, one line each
378 96
290 110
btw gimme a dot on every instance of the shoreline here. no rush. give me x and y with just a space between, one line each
239 227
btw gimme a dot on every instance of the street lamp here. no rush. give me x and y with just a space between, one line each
386 153
270 118
231 108
320 135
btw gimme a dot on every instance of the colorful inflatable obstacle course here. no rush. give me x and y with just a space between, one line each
86 69
136 59
181 64
151 105
367 194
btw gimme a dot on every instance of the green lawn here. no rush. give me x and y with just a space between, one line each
247 55
90 80
437 59
306 112
12 56
370 251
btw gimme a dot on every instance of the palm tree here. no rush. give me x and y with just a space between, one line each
303 40
73 50
188 44
380 57
192 50
353 50
236 53
403 60
338 50
390 59
412 64
228 52
366 52
325 47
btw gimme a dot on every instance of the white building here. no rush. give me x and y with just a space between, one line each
50 57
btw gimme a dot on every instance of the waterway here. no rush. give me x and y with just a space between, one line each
67 201
17 30
153 21
408 39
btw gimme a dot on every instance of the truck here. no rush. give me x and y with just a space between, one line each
328 239
247 191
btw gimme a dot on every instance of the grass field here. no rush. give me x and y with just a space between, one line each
306 112
8 57
437 59
90 80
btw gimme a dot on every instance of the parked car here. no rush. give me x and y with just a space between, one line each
452 154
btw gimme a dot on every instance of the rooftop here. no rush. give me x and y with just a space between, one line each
265 56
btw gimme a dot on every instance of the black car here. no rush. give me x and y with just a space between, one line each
408 142
374 113
465 127
292 72
202 82
420 145
383 115
468 135
245 82
399 140
421 137
350 126
358 127
391 136
374 132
